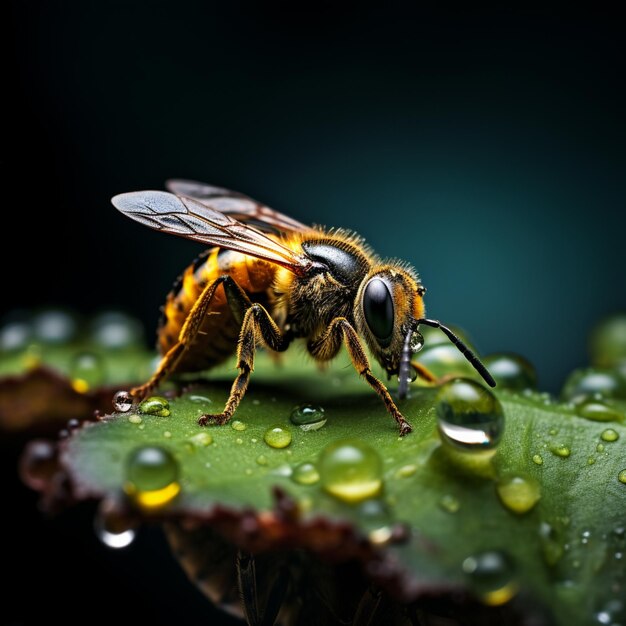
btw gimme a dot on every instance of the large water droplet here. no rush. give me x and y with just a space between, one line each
608 341
115 330
492 576
609 435
56 327
518 493
305 474
155 405
113 531
561 451
445 359
277 437
597 411
417 342
122 401
87 372
584 384
308 417
469 417
350 470
151 477
511 371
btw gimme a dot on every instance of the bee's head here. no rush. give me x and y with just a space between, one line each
389 311
389 298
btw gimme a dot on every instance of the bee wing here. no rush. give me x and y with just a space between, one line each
197 220
237 205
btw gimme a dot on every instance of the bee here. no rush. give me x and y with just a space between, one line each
268 279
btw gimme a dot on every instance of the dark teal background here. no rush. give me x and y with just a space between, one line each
485 147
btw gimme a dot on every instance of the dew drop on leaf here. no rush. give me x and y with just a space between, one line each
155 405
511 371
277 437
308 417
122 401
609 435
518 493
87 371
305 474
491 574
151 477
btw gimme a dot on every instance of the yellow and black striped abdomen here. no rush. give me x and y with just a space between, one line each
219 331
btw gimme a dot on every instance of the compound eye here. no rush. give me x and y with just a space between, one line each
378 310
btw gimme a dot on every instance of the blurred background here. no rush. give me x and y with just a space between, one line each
485 147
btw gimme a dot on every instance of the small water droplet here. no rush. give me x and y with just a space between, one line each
622 476
197 399
254 440
38 463
609 435
491 576
600 447
202 440
151 477
553 432
417 342
511 371
308 417
599 412
167 434
518 493
591 460
248 471
449 503
238 426
305 474
155 405
86 372
561 451
380 536
122 401
239 441
406 471
256 402
350 470
585 536
469 416
537 459
55 327
115 330
277 437
261 459
135 419
113 531
141 426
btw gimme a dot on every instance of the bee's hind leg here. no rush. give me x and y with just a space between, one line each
257 326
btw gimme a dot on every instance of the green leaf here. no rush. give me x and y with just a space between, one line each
565 552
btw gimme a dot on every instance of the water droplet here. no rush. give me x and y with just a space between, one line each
308 417
406 471
248 471
201 440
55 327
115 330
350 470
449 503
277 437
622 476
86 372
537 459
607 342
238 426
155 405
256 402
380 536
112 532
609 435
599 412
305 474
261 459
135 419
491 576
122 401
595 383
38 463
167 434
551 544
469 416
417 342
518 493
151 477
239 441
560 451
585 536
15 336
611 613
199 399
591 460
445 359
511 371
600 447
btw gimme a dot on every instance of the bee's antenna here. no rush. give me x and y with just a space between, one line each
465 351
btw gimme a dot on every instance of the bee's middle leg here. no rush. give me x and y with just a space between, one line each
257 326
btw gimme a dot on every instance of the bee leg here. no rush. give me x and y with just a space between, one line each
257 326
328 345
423 372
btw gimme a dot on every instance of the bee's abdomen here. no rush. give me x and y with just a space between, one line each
217 338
